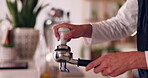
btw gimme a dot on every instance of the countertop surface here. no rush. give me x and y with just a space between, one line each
31 72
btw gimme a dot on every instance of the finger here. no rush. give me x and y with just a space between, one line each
70 26
100 68
117 73
68 40
93 64
107 71
69 35
55 28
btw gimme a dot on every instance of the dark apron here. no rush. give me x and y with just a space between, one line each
142 32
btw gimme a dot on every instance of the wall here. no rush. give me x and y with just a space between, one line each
75 8
3 9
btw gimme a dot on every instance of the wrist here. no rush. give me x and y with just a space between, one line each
87 30
138 61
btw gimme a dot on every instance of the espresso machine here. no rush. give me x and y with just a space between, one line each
63 53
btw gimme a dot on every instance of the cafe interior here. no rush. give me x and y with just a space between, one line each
29 48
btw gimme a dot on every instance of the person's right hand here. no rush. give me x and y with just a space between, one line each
76 31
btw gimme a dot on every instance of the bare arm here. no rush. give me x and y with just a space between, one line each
114 64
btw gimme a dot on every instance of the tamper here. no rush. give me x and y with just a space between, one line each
63 53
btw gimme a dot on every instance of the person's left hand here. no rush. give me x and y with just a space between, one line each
114 64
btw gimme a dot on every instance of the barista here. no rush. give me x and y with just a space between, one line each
120 26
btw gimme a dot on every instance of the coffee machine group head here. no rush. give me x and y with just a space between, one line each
63 53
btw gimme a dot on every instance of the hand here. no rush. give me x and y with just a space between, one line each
114 64
76 31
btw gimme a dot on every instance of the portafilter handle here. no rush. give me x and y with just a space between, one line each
82 62
79 62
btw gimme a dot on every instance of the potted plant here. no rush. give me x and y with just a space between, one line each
25 36
7 50
7 53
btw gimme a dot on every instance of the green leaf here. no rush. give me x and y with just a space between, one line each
40 8
13 10
26 17
32 5
8 45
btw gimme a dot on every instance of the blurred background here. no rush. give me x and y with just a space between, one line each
26 37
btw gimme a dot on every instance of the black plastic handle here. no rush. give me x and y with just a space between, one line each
82 62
